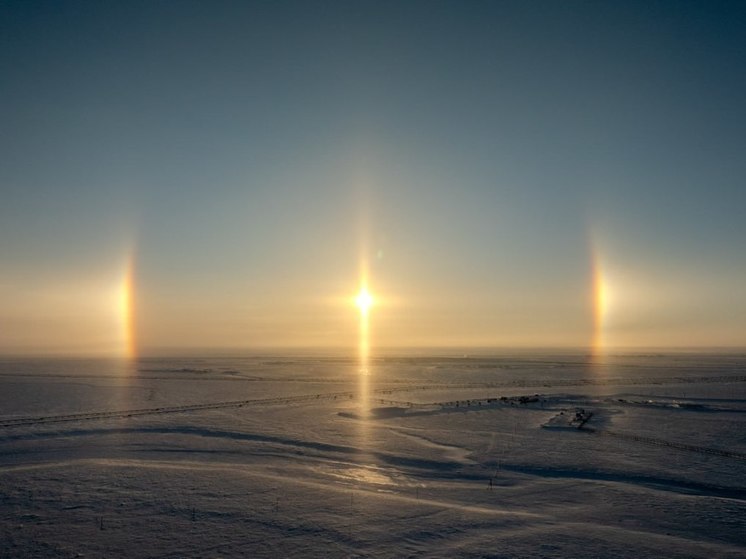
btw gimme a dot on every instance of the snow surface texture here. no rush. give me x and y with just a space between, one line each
524 456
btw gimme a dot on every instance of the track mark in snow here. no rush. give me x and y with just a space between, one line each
453 453
660 442
651 482
424 466
280 477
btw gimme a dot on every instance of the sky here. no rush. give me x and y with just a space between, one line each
225 175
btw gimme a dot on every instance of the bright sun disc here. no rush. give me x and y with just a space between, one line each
364 300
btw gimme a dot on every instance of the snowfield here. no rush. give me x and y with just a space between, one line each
528 455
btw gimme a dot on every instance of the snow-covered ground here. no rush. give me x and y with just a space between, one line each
274 456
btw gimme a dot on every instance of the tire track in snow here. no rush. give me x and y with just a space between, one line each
117 414
660 442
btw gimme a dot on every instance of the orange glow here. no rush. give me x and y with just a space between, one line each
127 309
364 301
600 303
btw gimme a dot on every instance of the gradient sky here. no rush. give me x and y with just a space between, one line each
216 174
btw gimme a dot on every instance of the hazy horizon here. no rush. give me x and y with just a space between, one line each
381 353
223 174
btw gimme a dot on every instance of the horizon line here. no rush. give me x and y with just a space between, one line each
385 351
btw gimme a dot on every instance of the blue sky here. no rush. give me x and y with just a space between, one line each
485 158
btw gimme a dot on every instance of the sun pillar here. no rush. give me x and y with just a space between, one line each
600 304
127 318
364 302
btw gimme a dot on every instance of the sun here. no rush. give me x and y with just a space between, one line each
364 300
